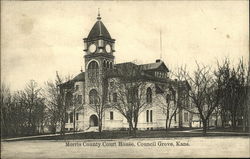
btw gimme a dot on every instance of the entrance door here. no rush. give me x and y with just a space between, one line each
93 120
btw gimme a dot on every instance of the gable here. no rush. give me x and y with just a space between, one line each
155 66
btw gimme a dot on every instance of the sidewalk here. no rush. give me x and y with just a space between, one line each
39 136
215 132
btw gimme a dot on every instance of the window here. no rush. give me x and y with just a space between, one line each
111 65
71 118
132 95
77 87
69 99
79 99
93 65
149 95
175 117
147 116
109 97
114 97
151 116
66 118
104 63
77 114
93 71
107 64
111 115
168 97
186 117
129 96
93 97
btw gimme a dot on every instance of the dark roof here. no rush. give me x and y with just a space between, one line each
79 77
152 66
99 30
132 71
182 84
70 83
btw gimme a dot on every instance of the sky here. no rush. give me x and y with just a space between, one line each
39 38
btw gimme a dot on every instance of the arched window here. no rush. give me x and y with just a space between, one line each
104 63
93 65
110 65
93 97
149 95
107 64
93 71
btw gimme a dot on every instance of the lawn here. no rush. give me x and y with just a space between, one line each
116 134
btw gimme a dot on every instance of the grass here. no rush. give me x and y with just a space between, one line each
172 133
116 134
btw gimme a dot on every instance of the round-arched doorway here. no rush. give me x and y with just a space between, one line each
93 120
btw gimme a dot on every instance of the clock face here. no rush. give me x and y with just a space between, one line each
108 48
92 48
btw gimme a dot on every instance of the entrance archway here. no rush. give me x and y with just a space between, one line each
93 120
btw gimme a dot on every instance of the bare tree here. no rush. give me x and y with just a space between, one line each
182 91
129 88
24 113
56 104
52 95
201 87
167 103
5 109
233 85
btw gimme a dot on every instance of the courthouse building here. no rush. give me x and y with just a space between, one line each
101 79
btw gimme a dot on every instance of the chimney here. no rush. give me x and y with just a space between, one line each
158 60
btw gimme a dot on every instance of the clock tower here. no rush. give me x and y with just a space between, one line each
99 59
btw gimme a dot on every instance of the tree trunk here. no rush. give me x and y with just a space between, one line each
74 121
204 122
233 120
166 124
222 119
216 120
100 125
135 126
130 127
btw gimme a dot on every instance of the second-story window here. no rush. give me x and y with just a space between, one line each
93 97
149 95
69 99
79 99
114 97
109 97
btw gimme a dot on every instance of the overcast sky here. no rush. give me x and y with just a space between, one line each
40 38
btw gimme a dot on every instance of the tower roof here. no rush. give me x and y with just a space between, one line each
99 30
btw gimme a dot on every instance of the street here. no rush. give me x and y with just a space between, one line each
124 148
